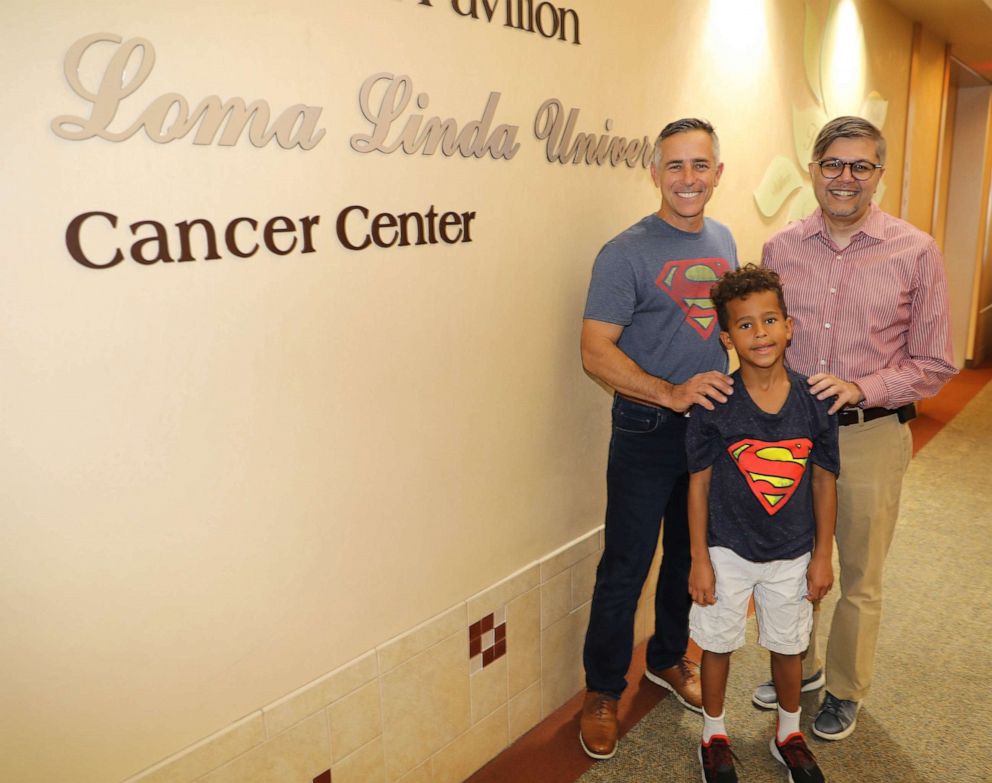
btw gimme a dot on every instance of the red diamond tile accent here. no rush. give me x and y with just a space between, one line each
486 640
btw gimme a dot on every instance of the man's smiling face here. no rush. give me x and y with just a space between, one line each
686 174
846 200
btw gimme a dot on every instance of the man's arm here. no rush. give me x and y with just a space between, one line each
929 360
603 359
702 581
820 573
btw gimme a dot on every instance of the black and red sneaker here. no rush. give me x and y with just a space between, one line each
717 760
797 758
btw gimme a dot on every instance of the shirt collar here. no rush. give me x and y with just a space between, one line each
874 225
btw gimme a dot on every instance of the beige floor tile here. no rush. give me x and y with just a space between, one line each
354 720
649 615
421 774
569 555
562 675
365 765
315 696
644 609
556 598
470 751
644 618
524 711
299 754
584 579
652 579
523 641
501 594
208 754
655 564
425 704
402 648
488 689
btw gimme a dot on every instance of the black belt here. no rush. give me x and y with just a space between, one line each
860 416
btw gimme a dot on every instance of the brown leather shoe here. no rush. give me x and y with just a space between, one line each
682 679
598 727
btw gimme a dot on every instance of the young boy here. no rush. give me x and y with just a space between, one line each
762 508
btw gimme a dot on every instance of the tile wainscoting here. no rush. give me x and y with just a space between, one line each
431 705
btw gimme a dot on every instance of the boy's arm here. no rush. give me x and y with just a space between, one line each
820 574
702 582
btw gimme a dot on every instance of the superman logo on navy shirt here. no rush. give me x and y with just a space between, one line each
772 469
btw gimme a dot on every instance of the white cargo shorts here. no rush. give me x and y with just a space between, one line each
784 615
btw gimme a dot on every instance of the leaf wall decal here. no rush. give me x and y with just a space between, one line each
806 123
803 204
879 192
874 109
781 180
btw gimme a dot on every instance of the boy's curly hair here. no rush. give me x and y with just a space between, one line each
738 284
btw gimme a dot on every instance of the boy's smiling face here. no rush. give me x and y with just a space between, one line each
758 329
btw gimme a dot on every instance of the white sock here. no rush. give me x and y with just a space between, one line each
788 723
713 726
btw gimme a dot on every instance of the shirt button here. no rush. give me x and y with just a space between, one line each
826 326
833 290
838 258
823 361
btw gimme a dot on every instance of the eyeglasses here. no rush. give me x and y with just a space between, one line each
861 170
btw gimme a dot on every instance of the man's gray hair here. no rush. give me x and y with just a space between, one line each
685 125
848 128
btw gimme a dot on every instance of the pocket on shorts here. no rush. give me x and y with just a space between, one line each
785 616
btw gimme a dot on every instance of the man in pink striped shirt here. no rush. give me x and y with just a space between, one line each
868 295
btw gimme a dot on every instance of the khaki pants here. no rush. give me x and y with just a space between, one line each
873 459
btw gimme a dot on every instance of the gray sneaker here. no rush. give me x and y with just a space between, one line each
765 697
836 718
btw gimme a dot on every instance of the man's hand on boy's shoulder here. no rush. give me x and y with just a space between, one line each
823 385
701 390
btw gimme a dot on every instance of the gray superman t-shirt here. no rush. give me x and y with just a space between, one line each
655 281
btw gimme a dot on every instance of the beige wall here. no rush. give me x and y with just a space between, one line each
923 126
224 479
966 213
982 302
981 338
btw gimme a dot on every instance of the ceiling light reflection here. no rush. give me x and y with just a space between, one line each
843 63
737 33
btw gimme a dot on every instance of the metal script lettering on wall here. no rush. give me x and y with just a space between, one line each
168 117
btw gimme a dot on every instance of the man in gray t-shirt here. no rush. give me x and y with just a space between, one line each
650 333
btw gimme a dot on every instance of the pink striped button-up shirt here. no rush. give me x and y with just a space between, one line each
874 313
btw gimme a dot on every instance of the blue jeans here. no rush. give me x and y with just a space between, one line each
646 479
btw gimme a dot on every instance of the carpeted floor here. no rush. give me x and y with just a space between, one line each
929 715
